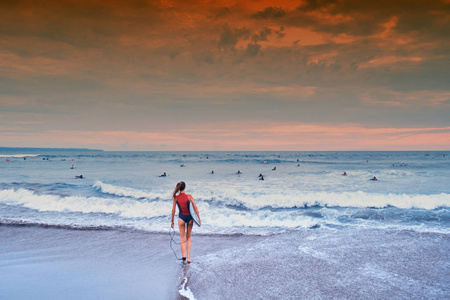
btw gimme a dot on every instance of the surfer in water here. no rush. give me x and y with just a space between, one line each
185 221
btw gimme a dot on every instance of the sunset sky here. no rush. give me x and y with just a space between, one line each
225 75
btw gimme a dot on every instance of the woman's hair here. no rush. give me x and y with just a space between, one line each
180 186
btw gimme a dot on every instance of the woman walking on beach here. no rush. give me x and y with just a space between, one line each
185 221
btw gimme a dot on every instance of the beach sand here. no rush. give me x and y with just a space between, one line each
60 263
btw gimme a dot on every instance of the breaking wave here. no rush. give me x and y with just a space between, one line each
19 155
257 201
219 217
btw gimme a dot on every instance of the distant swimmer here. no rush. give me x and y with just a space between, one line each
79 177
73 167
261 178
298 165
298 160
260 175
163 175
24 158
374 178
345 174
182 165
274 169
212 172
239 172
264 161
8 160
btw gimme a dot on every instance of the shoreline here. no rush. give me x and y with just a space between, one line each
48 262
55 263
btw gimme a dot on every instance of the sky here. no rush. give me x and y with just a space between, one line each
303 75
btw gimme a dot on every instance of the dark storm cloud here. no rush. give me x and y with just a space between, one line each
252 49
363 18
222 12
270 13
262 35
280 32
312 5
230 37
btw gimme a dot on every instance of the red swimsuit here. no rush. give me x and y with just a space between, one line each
183 208
183 204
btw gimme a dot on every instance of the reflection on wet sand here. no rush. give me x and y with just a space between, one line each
184 292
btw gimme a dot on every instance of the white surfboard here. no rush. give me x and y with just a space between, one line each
193 213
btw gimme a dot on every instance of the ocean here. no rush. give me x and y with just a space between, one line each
304 203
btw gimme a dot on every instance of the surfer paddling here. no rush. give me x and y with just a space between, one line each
188 213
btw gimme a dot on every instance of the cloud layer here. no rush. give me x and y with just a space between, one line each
158 67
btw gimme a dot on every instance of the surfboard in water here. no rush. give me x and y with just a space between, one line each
193 213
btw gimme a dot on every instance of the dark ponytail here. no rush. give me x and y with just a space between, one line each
180 187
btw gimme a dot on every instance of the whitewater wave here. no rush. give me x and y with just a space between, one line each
346 199
19 155
154 215
128 192
257 201
155 211
123 207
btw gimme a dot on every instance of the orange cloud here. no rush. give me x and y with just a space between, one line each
388 60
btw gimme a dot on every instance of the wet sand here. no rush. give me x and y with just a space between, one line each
58 263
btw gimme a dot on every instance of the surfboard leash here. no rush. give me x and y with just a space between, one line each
172 240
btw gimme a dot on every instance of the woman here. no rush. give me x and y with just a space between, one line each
185 221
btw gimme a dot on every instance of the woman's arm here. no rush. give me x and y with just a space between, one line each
173 210
196 210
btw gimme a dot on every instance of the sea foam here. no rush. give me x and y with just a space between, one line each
19 155
45 202
295 199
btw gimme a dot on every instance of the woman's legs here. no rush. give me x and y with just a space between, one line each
188 243
182 227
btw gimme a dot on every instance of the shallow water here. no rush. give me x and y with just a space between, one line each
51 263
